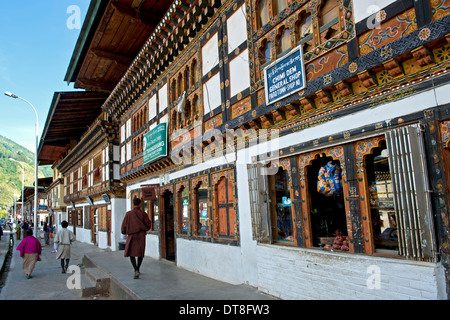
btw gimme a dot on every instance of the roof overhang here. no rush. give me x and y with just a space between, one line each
70 115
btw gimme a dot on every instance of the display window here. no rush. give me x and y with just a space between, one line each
280 206
183 208
200 207
381 201
326 204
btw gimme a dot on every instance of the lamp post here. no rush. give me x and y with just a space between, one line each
15 193
23 182
9 94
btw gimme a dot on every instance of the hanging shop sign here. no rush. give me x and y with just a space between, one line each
285 76
149 192
155 143
106 198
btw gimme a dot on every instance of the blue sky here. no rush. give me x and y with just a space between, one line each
36 46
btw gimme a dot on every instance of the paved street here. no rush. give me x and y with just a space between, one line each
47 282
159 280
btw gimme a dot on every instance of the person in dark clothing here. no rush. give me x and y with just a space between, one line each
135 225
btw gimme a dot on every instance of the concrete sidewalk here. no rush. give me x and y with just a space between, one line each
159 280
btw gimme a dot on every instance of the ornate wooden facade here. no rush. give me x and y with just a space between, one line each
203 78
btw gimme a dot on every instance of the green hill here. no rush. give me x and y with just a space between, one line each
11 172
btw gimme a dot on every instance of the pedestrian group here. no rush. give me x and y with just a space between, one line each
134 227
30 247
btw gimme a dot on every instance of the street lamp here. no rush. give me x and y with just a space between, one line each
9 94
15 194
23 181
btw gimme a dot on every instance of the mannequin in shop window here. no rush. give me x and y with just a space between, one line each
327 206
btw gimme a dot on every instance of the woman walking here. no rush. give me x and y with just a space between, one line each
30 250
46 229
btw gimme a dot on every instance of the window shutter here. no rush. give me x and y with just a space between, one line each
259 203
411 198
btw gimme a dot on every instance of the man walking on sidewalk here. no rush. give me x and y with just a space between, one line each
64 239
135 225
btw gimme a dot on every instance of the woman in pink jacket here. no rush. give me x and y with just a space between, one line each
30 250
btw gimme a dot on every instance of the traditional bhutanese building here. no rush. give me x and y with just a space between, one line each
78 140
300 147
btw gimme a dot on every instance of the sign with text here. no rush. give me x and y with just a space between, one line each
155 143
149 193
285 76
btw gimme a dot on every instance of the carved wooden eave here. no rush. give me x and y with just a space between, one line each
336 87
97 134
182 21
149 170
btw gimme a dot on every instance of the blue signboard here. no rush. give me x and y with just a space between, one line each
285 76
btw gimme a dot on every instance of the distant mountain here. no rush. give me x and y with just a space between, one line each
11 172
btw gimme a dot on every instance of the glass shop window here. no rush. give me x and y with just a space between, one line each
280 207
184 210
152 209
327 206
381 200
201 192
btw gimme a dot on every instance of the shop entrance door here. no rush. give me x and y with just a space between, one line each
167 227
94 225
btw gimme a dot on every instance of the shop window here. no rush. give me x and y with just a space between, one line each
326 203
280 207
183 210
263 13
329 12
151 207
201 219
381 200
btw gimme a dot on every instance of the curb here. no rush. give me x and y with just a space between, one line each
117 289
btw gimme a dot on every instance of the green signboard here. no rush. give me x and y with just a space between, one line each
155 143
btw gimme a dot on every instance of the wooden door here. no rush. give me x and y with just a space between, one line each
225 208
93 225
167 227
108 227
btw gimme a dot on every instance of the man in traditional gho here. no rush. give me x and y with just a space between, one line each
64 239
135 225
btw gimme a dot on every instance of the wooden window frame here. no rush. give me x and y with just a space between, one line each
232 228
